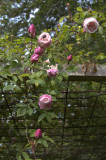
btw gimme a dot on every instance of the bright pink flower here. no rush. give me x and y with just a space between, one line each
39 51
31 30
69 58
45 101
34 58
52 72
38 134
44 40
90 25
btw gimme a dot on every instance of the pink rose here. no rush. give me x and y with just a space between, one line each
52 72
38 134
39 51
31 30
34 58
69 58
44 40
90 25
45 101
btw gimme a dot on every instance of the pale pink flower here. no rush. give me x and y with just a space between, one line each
45 101
38 134
39 51
52 72
31 30
69 58
90 25
44 40
34 58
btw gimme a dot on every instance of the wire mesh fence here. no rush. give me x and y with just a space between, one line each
79 131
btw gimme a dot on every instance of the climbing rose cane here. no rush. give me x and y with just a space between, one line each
39 51
90 25
69 58
44 40
34 58
45 101
52 72
38 134
31 30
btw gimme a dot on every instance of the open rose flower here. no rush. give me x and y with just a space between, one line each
38 134
34 58
39 51
90 25
31 30
44 40
69 58
52 72
45 101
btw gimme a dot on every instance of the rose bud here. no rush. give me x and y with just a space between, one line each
52 72
44 40
39 51
45 101
69 58
38 134
90 25
31 30
34 58
47 61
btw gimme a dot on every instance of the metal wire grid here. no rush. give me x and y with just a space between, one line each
80 133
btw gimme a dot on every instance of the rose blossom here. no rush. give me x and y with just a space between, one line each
44 40
90 25
38 134
31 30
39 51
45 101
69 58
34 57
52 72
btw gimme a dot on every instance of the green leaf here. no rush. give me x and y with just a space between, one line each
87 36
32 133
53 83
8 87
53 115
24 75
15 78
41 117
19 157
49 139
29 110
26 156
61 19
21 111
72 68
101 29
45 143
79 9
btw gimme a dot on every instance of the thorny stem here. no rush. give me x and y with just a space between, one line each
29 141
31 44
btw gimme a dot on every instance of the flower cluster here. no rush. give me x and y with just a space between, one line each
44 41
